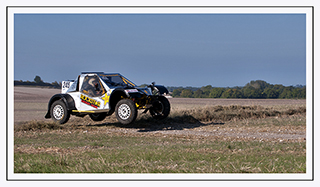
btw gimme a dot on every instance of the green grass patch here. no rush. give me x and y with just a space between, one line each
80 152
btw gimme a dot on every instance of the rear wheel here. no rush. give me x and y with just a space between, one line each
98 116
126 111
59 112
160 108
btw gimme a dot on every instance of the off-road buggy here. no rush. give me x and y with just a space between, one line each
99 94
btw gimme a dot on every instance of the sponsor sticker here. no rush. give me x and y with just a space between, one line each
89 101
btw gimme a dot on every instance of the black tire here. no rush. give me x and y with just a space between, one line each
126 111
98 116
160 108
59 112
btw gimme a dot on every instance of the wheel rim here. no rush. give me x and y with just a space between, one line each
58 112
124 111
158 108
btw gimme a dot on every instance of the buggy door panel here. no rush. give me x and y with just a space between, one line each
92 94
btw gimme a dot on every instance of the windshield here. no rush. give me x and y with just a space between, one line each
114 80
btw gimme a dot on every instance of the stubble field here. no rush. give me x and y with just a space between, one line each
199 136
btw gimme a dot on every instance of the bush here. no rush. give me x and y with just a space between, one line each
255 89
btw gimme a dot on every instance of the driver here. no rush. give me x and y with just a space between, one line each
94 87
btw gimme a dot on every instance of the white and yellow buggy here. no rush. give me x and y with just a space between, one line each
99 94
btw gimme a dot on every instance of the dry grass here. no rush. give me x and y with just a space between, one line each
210 139
226 113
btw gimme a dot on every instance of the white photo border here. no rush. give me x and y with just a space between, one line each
307 10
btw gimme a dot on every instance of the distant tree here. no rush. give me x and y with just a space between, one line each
271 93
198 93
177 92
232 93
236 93
286 93
251 92
206 90
227 93
299 93
278 87
186 93
258 84
38 80
247 91
216 92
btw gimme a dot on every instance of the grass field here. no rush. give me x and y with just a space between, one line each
79 152
209 139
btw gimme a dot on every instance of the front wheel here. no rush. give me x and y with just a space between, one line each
59 112
126 111
160 108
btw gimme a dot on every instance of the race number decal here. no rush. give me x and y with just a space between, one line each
65 84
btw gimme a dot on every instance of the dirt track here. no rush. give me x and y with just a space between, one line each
31 104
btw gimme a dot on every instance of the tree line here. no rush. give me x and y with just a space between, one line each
37 81
255 89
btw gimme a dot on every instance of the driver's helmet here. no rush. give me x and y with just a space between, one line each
93 82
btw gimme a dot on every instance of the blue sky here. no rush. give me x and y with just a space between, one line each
222 50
